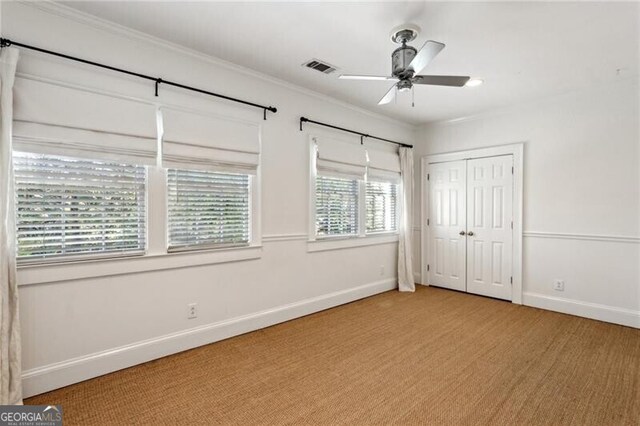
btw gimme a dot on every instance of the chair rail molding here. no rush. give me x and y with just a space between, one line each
284 237
588 237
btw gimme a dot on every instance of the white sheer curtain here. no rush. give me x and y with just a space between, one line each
405 248
10 363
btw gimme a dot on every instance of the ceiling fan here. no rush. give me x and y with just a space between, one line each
407 62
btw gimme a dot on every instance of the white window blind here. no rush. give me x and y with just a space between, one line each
336 206
340 159
54 119
381 202
196 141
383 166
69 206
207 209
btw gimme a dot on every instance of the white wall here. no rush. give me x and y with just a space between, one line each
76 328
581 212
581 194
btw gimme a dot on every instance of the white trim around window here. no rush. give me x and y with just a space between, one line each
318 243
156 257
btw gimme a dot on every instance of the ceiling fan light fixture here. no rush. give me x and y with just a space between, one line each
474 82
404 85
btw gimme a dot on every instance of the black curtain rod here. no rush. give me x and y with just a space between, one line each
362 135
6 42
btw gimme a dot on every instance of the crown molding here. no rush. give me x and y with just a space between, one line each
633 80
67 12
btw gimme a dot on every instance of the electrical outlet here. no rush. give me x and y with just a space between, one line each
192 310
558 285
381 270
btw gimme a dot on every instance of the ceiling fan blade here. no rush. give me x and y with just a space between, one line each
441 80
425 55
367 77
388 96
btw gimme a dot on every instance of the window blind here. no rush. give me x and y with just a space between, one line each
70 206
54 119
207 209
340 159
383 166
336 206
381 201
195 141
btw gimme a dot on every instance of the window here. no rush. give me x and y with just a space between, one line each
336 206
355 189
90 164
70 206
207 209
381 206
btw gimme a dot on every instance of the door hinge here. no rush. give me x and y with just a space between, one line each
511 280
427 176
511 169
511 224
427 222
427 267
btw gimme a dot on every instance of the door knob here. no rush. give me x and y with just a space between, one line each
462 232
470 233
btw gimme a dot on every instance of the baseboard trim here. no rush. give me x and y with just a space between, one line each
626 317
54 376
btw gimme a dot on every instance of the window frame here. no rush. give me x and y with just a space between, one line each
358 232
85 256
397 208
156 257
211 246
317 242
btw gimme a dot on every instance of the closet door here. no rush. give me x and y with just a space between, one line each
489 222
447 219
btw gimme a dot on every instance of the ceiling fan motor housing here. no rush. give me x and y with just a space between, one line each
400 60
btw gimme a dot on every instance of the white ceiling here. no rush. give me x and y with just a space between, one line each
523 50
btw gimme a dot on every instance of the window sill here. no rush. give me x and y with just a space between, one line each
337 243
39 273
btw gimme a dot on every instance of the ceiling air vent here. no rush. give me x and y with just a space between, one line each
318 65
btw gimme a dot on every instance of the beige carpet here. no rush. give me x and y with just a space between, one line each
433 357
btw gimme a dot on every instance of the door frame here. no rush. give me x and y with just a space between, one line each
515 149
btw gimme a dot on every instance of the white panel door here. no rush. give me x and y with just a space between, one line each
489 222
447 217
